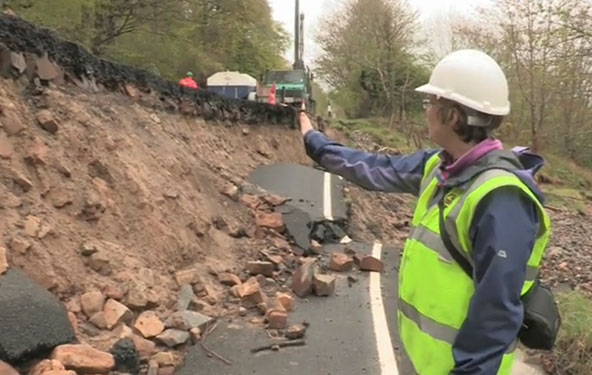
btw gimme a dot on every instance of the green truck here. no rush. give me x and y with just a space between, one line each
292 86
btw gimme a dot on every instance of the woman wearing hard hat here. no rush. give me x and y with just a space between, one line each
479 229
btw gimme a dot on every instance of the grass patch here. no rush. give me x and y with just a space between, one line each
573 351
378 129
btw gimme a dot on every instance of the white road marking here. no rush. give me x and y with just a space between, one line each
386 354
327 204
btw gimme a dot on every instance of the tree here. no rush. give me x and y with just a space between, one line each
367 57
168 37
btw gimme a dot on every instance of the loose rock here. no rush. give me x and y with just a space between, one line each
341 262
113 292
190 276
47 121
229 279
11 123
250 292
6 369
285 300
295 331
186 320
369 263
261 268
98 320
273 220
3 260
323 285
100 262
126 356
231 191
45 366
164 359
116 313
302 279
148 324
173 337
60 197
277 319
91 303
145 347
84 359
185 297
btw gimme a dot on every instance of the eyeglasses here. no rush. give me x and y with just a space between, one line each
427 103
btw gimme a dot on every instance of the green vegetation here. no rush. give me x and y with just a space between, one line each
573 353
168 37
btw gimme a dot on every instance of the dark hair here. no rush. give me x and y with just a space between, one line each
468 133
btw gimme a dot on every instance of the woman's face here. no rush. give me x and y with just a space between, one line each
438 132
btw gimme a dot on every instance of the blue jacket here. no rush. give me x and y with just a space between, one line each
505 219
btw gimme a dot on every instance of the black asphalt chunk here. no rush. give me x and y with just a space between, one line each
32 320
305 187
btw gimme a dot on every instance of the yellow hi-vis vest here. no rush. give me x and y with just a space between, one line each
434 291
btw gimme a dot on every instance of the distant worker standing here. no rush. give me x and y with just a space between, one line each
188 82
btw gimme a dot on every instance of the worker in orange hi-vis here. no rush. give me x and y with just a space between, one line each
188 82
272 92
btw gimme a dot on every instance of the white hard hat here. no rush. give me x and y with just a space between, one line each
473 79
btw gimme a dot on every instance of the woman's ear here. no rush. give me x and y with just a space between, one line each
453 118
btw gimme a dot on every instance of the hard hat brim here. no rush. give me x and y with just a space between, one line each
440 93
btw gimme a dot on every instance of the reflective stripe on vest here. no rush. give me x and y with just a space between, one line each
435 292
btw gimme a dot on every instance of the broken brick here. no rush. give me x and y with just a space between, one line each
148 324
275 200
323 285
340 262
190 276
260 268
113 292
250 292
277 319
250 201
273 220
285 300
302 279
116 313
84 359
144 347
229 279
369 263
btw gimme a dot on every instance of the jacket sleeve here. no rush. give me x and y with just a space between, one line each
400 174
503 232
